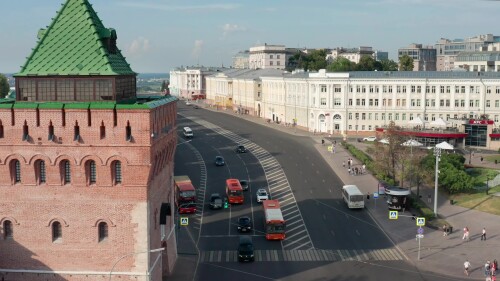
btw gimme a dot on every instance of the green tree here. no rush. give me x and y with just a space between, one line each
368 63
4 86
405 63
389 65
390 158
317 60
341 64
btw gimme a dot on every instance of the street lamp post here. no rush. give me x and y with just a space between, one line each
437 153
132 254
357 118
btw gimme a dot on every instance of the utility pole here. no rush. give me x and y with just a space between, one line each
437 153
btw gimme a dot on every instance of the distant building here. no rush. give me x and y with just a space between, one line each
190 82
241 59
355 54
270 56
448 50
424 57
487 59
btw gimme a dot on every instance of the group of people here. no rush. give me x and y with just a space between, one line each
466 236
354 170
490 269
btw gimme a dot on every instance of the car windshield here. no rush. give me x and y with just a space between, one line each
243 182
275 228
187 194
262 193
246 249
235 193
218 158
241 147
218 201
244 220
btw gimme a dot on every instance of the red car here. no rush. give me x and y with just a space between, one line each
187 208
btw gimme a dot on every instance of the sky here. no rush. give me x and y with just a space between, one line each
160 35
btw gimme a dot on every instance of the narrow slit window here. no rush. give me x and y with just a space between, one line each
115 118
1 130
17 171
38 117
118 172
89 116
56 231
102 130
43 174
103 231
67 172
8 231
92 172
128 132
77 132
51 132
26 133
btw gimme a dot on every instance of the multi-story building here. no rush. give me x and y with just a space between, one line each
357 103
86 166
448 50
486 59
241 59
355 54
424 57
270 56
238 90
190 82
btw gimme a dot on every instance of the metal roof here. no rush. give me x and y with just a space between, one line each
76 43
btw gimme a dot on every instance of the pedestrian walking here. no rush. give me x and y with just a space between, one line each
487 268
483 234
481 159
349 170
467 266
429 198
445 230
466 233
364 168
322 142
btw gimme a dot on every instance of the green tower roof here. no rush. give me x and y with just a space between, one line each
76 43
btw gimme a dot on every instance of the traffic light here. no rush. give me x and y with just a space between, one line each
226 204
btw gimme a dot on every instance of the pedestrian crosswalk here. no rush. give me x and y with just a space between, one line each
313 255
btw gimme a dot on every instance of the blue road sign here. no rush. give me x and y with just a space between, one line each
420 230
375 195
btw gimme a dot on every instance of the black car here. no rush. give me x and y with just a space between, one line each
244 224
245 249
241 149
215 201
219 161
244 184
196 107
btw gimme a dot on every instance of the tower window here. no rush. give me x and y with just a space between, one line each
56 232
128 132
51 132
103 231
92 172
1 130
102 130
66 172
77 132
16 171
117 172
42 175
8 231
26 134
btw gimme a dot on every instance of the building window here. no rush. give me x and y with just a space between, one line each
323 88
323 101
26 133
42 175
102 131
66 171
488 103
117 172
91 172
15 170
103 231
77 132
128 132
56 232
8 231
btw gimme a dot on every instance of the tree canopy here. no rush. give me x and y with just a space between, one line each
4 86
389 65
341 64
405 63
315 60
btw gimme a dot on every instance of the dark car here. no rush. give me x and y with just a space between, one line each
244 184
219 161
215 201
196 107
241 149
245 249
244 224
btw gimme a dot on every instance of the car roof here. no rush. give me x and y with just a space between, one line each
244 217
261 190
215 194
245 239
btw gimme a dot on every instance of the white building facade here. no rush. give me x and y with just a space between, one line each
189 83
267 57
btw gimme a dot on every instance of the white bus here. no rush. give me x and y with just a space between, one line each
353 196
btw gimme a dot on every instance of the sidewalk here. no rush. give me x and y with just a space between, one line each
438 253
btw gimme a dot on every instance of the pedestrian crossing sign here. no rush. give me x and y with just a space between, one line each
184 221
420 221
330 148
393 215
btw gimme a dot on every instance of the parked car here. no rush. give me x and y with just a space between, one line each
241 149
215 201
262 195
244 184
372 138
188 103
219 161
244 224
245 249
196 107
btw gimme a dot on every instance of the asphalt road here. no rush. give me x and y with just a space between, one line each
325 240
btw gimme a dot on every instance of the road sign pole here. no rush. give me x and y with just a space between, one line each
419 248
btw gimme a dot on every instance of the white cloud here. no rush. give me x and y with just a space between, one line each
198 46
165 7
138 46
231 28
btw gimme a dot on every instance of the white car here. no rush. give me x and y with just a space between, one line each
370 138
188 103
262 195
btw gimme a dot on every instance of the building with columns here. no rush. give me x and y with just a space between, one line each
86 165
359 103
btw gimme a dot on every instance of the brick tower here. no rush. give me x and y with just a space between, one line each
85 165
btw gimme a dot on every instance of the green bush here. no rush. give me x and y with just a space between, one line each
427 213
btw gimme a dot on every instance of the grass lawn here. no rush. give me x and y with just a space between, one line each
492 158
479 201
